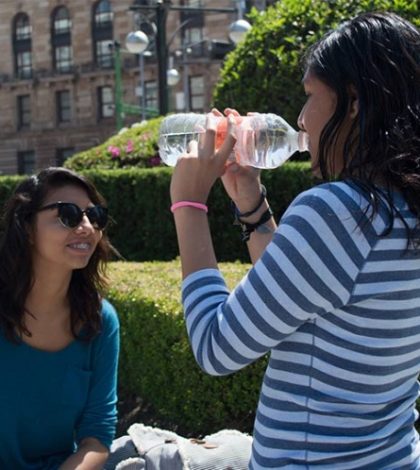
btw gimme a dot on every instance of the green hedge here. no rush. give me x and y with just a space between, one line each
143 227
156 360
157 364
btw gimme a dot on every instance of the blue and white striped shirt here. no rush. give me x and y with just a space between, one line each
336 302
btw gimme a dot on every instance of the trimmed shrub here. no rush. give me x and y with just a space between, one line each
157 363
263 73
139 201
136 146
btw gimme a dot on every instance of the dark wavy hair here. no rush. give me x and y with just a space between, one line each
376 55
16 273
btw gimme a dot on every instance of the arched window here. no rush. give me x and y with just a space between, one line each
22 45
102 33
61 40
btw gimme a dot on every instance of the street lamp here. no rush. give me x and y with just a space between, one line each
161 9
238 30
137 42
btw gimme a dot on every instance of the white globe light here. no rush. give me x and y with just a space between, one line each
173 77
238 29
136 42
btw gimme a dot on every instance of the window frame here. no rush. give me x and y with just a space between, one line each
60 156
193 95
102 33
151 100
63 109
22 121
22 46
21 163
105 104
61 41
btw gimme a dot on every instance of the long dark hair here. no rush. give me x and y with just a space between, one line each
16 270
376 55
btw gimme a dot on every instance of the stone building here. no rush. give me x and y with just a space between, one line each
57 77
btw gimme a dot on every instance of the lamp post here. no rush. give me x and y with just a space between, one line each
137 42
161 9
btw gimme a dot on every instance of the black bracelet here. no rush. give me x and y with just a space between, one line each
239 214
247 229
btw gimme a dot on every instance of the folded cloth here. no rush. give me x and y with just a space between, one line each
122 450
166 450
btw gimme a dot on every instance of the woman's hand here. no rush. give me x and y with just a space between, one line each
242 183
197 170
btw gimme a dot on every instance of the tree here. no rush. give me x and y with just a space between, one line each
264 73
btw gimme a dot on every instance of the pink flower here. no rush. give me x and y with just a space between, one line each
114 151
129 147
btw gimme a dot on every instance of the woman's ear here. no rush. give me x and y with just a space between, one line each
354 102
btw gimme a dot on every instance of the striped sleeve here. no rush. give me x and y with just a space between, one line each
307 270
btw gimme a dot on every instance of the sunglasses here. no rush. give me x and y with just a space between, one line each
70 214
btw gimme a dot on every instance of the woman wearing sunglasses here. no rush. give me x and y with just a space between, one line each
59 339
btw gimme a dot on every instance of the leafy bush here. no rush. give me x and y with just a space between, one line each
136 146
263 73
156 360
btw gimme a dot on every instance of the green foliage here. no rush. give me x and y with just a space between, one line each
264 73
136 146
143 228
156 359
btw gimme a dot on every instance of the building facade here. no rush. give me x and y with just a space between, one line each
57 74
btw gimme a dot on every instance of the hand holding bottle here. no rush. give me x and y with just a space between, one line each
242 183
198 169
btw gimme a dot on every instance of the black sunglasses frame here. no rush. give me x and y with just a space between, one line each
97 214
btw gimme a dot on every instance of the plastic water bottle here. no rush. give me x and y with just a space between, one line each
262 140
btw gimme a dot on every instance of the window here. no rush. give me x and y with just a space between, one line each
61 21
23 28
192 31
63 106
106 104
151 92
26 162
104 56
22 46
23 112
197 93
193 40
102 32
61 40
62 154
63 59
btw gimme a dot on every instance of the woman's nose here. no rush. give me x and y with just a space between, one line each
85 225
300 123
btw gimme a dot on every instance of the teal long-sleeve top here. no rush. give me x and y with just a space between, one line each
50 401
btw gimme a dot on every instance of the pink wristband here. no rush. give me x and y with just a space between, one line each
196 205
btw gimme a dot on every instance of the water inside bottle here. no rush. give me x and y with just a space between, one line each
173 145
272 147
